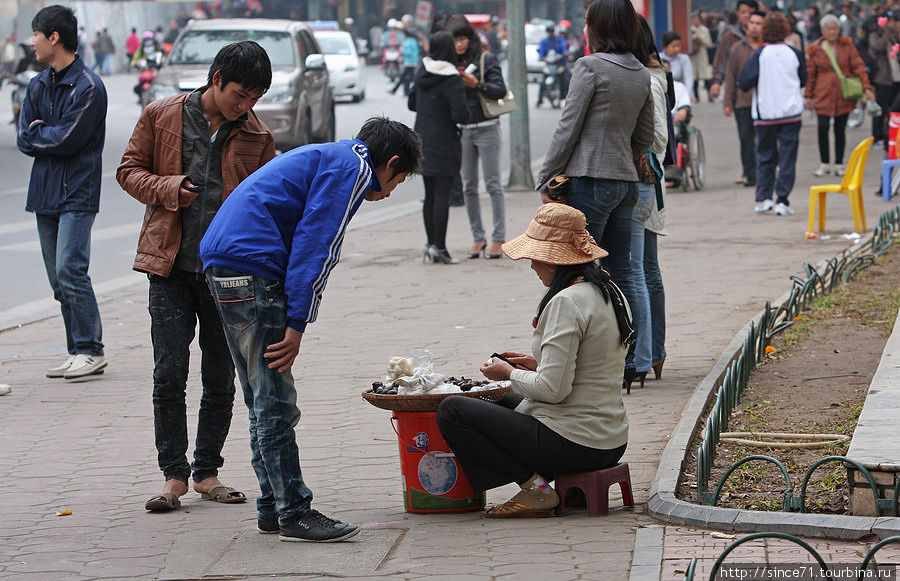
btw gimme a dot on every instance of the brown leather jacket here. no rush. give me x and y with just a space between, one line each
151 172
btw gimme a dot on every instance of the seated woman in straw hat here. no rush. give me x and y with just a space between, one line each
565 413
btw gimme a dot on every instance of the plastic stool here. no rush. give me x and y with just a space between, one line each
595 486
887 168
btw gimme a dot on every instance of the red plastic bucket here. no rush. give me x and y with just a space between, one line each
433 480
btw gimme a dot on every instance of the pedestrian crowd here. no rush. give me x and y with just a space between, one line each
242 243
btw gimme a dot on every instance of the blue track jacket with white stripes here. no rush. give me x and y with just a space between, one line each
287 221
62 126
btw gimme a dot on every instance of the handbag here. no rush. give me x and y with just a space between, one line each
851 87
494 108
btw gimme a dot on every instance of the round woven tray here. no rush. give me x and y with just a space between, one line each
427 402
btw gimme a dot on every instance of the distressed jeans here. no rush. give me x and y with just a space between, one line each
483 143
608 205
177 304
254 312
66 249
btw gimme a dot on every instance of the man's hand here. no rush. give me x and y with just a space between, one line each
714 91
728 111
185 196
680 115
870 95
468 79
285 351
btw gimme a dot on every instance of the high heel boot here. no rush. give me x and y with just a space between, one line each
427 253
441 256
630 375
657 367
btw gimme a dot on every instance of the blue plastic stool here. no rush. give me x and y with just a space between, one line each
887 169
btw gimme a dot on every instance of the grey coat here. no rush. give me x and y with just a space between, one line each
607 122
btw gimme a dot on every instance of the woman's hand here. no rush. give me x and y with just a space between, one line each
870 95
468 79
521 359
808 103
496 369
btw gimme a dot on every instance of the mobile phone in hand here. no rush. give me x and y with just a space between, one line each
196 189
471 68
502 358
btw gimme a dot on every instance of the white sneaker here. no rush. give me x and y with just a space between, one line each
839 170
764 206
783 210
4 389
85 365
823 170
60 370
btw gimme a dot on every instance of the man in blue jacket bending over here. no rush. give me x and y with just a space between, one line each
268 253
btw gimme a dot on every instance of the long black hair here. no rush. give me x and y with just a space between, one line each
645 50
592 273
441 47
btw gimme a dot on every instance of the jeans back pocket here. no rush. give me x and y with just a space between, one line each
236 298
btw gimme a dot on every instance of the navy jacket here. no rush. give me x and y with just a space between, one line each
67 143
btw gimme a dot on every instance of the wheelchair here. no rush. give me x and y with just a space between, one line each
690 158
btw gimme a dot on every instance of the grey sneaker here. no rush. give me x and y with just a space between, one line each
60 370
764 206
783 210
313 526
4 389
85 366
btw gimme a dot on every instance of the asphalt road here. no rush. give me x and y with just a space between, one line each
24 292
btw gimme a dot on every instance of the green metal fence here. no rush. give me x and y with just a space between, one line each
825 571
731 385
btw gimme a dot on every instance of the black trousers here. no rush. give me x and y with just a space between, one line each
177 303
406 78
436 209
496 445
747 136
884 96
840 137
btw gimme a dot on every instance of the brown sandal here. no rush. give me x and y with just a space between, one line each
224 494
164 502
511 509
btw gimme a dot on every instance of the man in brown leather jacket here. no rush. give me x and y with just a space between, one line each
186 155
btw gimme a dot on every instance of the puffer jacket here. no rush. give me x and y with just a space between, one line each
823 85
151 172
439 100
63 127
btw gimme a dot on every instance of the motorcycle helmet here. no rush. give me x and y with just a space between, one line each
392 23
407 19
148 34
348 21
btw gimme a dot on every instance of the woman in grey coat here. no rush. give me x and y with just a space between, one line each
606 125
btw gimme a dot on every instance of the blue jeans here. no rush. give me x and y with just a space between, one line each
607 205
776 146
657 295
254 314
66 248
640 356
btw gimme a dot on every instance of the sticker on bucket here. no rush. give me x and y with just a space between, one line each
420 443
437 473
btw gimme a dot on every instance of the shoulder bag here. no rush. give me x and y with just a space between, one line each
494 108
851 87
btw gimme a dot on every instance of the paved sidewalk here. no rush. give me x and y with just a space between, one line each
88 447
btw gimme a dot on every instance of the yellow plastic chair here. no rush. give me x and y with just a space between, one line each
851 185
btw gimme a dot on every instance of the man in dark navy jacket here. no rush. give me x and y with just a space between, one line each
62 126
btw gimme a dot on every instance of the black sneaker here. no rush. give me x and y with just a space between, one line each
315 527
268 526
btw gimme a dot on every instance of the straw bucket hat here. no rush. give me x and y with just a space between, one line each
556 235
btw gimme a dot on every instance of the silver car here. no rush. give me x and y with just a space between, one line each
299 106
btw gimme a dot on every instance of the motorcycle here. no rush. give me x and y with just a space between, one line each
20 86
551 82
390 62
147 69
